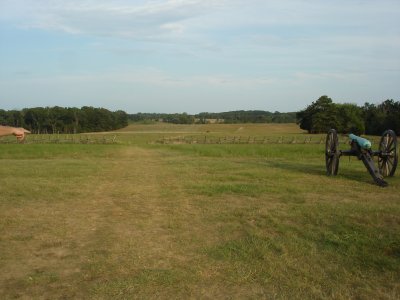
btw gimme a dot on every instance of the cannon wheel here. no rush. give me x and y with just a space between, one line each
388 157
332 153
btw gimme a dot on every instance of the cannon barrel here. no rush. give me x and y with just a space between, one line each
363 143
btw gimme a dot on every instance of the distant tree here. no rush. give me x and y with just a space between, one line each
3 117
318 117
374 119
380 117
15 118
121 119
30 119
186 119
278 117
55 116
249 116
350 119
392 112
64 120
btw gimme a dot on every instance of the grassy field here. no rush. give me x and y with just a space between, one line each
148 221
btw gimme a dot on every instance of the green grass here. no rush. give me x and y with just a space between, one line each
141 220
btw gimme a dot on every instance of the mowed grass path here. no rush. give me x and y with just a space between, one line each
193 221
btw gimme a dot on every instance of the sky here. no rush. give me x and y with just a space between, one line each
197 55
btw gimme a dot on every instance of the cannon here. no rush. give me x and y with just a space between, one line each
361 148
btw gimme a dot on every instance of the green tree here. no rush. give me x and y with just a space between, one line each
380 117
15 118
318 117
350 118
374 119
3 117
392 113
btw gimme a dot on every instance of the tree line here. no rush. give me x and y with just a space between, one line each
318 117
323 114
177 118
64 119
241 116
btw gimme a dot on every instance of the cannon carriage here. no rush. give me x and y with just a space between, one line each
361 148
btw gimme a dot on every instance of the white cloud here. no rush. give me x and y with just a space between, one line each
117 18
210 23
222 48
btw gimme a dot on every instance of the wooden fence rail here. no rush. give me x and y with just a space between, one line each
247 140
64 139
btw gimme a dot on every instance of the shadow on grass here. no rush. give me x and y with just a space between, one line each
353 175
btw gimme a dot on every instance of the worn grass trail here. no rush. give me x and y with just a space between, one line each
193 221
115 231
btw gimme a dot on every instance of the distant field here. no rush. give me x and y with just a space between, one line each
258 129
136 219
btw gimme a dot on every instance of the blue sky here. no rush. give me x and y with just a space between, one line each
197 55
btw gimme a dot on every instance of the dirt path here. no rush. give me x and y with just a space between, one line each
122 227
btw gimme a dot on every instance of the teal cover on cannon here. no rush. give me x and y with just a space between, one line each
363 143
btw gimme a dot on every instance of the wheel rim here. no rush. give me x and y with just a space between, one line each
388 156
331 153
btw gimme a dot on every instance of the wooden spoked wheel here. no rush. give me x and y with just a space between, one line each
332 153
388 156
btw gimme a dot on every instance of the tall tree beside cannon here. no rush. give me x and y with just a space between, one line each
319 117
372 119
350 119
382 116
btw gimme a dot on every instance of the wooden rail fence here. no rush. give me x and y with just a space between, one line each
246 140
64 139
